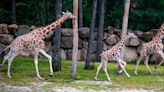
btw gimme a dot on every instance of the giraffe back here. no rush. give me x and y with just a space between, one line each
26 44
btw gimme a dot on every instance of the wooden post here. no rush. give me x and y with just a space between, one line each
75 37
125 24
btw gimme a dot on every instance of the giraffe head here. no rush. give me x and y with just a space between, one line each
68 14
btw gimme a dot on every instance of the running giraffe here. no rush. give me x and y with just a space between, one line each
33 43
114 54
155 46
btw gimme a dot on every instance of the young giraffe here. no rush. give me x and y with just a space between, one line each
114 54
33 43
155 46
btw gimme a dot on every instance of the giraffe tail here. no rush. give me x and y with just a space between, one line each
2 54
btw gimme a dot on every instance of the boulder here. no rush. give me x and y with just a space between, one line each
111 30
6 38
67 32
63 54
33 27
130 54
13 28
109 47
147 36
105 35
133 42
66 42
83 54
105 47
112 39
2 47
4 29
23 29
138 33
69 55
48 46
84 45
84 32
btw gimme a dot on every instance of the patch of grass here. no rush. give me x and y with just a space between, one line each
23 73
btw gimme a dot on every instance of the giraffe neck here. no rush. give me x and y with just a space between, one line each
121 44
158 37
122 41
43 32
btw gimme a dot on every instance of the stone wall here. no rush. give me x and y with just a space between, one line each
111 36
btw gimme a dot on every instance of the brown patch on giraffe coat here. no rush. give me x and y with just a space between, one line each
52 25
48 28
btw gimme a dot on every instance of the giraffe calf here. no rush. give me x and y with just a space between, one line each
154 46
114 54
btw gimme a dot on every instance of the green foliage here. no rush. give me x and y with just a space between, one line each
144 14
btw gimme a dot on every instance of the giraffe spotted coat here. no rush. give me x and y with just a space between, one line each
114 54
155 46
33 43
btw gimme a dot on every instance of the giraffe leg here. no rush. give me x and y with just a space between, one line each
122 67
138 62
50 60
10 60
146 63
4 59
162 56
98 69
121 71
36 64
104 64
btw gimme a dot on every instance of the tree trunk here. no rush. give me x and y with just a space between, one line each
100 30
125 24
46 11
38 12
75 38
92 28
80 14
56 58
13 11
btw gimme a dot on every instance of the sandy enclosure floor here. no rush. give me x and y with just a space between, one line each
40 87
